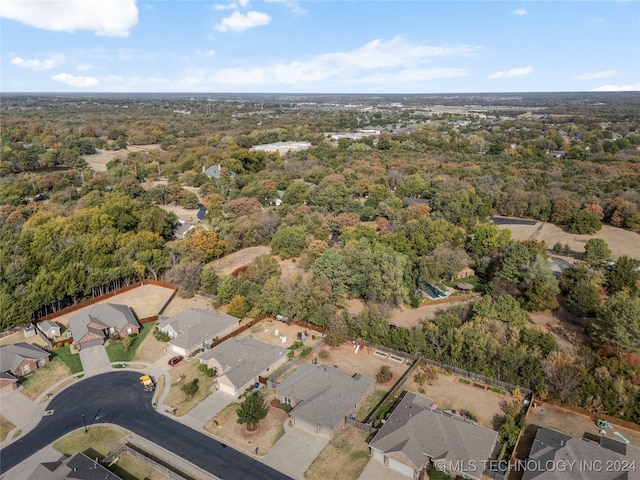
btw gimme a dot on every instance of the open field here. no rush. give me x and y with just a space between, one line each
228 264
620 241
344 457
451 394
98 161
226 427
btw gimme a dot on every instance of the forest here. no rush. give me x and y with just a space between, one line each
375 218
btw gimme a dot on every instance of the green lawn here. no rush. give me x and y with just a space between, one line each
71 360
116 352
478 286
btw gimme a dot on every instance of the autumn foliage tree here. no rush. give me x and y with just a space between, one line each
206 243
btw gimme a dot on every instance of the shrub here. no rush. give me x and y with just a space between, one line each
385 374
464 380
324 354
160 336
202 368
305 351
497 390
191 388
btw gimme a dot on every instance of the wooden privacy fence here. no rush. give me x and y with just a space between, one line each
363 427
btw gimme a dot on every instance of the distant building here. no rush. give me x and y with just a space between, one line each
282 148
214 171
181 230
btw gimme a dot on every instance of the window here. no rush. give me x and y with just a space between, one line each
26 368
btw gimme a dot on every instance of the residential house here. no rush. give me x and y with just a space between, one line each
322 396
607 459
19 360
49 328
417 433
76 467
94 325
8 382
214 171
282 148
196 329
182 229
239 362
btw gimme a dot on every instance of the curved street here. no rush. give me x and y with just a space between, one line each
118 398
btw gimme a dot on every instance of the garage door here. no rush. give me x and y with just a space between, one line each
91 343
400 467
6 387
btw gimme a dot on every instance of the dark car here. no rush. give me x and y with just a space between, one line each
176 360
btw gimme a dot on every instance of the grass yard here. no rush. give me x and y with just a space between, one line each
370 403
149 350
177 398
44 378
72 360
5 427
100 439
344 457
115 349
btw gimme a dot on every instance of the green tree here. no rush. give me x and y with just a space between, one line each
488 240
191 388
618 323
596 252
289 241
252 410
623 276
261 269
209 281
337 331
584 222
331 264
271 300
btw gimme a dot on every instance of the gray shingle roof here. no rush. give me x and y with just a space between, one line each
551 448
99 317
47 324
325 394
243 359
12 355
420 433
195 326
76 467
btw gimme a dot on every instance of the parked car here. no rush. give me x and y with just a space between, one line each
175 360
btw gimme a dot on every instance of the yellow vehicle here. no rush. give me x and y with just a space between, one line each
148 383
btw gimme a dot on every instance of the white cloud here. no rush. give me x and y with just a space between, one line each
520 12
110 18
84 67
595 75
52 61
243 3
75 80
514 72
396 61
210 53
239 22
225 6
292 5
618 88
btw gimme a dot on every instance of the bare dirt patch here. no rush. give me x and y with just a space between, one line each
407 317
568 334
574 424
620 241
227 265
185 214
98 161
344 457
365 362
291 270
451 394
225 426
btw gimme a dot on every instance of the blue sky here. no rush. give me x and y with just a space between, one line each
319 46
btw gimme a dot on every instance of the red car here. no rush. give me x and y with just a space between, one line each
175 360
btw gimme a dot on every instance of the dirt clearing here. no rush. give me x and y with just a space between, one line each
227 265
265 331
620 241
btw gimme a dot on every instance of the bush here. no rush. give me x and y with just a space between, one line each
160 336
202 368
324 354
497 390
191 388
385 374
464 380
584 222
305 351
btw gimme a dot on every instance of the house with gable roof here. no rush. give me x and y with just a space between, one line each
18 360
196 329
322 397
92 326
417 433
239 362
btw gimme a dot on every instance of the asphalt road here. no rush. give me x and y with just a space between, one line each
117 398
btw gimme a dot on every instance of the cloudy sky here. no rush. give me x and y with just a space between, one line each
357 46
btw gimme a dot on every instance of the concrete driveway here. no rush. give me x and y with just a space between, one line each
17 408
377 471
94 360
211 406
294 452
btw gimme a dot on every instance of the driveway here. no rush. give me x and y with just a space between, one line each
211 406
17 408
377 471
294 452
94 360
